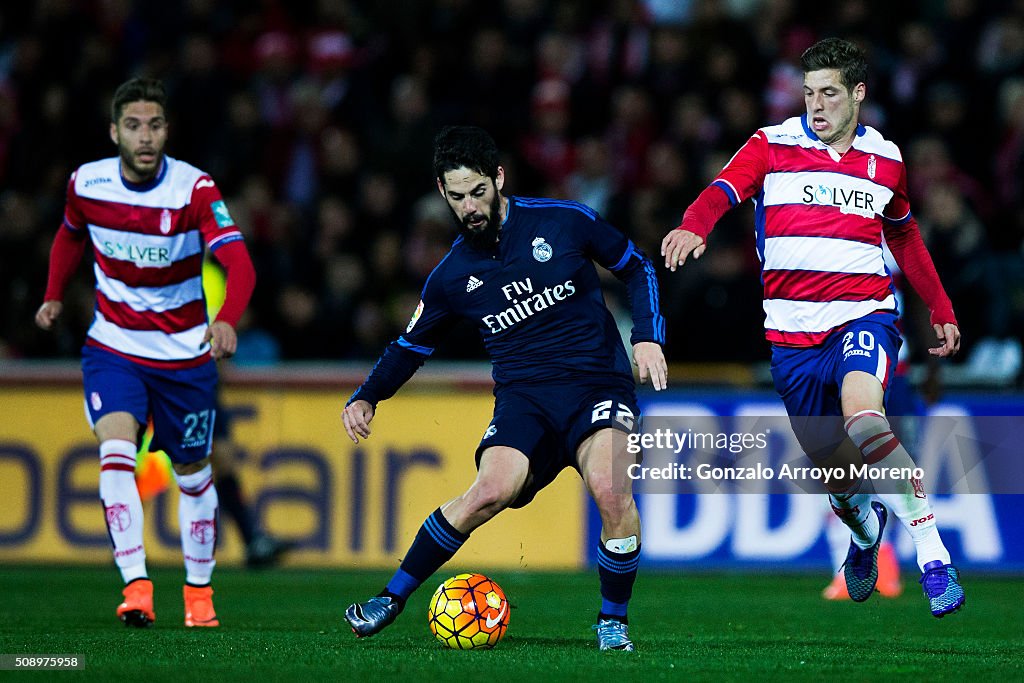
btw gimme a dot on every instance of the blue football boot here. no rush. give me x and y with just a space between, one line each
861 566
612 634
370 617
941 585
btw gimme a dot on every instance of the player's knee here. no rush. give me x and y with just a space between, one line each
612 502
860 391
117 425
190 467
601 483
489 497
615 508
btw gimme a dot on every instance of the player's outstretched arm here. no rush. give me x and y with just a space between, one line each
399 362
698 221
48 313
650 362
357 417
678 245
739 180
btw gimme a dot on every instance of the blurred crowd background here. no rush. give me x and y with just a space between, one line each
316 119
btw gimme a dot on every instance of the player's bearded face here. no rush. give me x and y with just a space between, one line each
479 228
475 203
140 135
831 107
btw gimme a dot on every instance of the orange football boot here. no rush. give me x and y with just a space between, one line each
137 608
199 606
889 584
837 589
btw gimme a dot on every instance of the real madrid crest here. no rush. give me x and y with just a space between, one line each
542 251
871 166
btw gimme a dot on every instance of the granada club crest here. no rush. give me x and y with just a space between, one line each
918 488
95 400
118 517
165 221
872 165
204 531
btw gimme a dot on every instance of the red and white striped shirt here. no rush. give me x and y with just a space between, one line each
148 242
819 224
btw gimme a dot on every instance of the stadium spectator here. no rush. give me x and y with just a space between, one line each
547 149
523 270
629 134
470 64
827 190
150 351
959 246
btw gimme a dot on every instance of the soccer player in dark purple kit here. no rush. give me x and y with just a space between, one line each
523 270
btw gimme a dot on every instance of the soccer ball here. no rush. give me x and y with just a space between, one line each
468 612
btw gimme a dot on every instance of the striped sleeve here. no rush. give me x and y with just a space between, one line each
743 177
73 218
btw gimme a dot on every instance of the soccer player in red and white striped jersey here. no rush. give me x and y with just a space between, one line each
150 352
826 189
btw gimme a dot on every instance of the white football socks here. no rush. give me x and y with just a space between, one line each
122 507
197 514
870 432
838 537
854 508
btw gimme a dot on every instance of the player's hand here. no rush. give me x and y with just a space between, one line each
949 335
650 361
222 338
357 417
679 244
48 314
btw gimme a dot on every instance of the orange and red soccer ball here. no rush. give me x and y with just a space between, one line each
468 612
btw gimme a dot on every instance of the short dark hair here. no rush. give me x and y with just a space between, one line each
839 54
137 90
465 146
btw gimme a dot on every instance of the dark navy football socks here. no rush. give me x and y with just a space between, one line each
436 542
618 573
230 495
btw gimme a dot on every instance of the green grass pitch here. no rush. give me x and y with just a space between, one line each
287 625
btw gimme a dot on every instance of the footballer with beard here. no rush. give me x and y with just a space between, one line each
522 270
151 352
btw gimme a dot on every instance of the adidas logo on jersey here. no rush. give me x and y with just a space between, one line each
473 283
